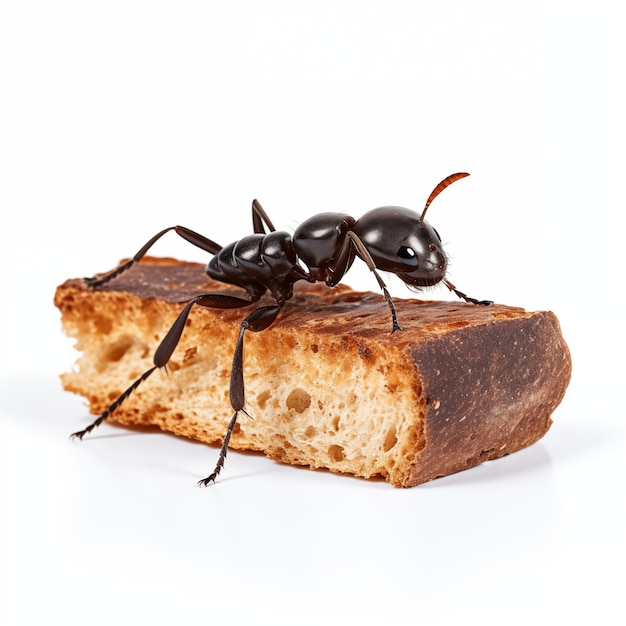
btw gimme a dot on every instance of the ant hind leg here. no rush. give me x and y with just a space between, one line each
198 240
166 348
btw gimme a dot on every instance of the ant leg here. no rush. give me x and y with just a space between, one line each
258 320
343 262
166 348
259 216
465 297
112 407
192 237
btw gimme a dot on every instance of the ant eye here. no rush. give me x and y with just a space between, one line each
436 233
408 255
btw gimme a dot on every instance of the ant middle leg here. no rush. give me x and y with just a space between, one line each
260 219
256 321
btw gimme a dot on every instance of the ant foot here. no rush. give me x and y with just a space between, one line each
205 481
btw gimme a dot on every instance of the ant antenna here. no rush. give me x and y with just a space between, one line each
438 189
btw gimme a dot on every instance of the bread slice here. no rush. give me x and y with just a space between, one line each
327 384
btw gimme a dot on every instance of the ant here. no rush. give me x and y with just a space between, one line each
322 248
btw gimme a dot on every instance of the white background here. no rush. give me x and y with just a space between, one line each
120 118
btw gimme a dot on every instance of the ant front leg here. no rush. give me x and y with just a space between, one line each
258 320
465 297
343 261
166 349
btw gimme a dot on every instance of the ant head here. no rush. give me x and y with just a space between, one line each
402 242
399 243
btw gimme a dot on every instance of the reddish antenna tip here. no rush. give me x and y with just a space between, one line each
438 189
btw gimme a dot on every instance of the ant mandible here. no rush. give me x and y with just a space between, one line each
322 248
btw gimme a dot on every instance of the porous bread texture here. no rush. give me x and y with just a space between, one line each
327 385
315 403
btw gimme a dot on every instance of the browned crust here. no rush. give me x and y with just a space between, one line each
489 393
484 380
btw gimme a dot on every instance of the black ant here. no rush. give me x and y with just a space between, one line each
322 248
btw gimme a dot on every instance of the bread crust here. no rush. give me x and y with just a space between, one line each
327 384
